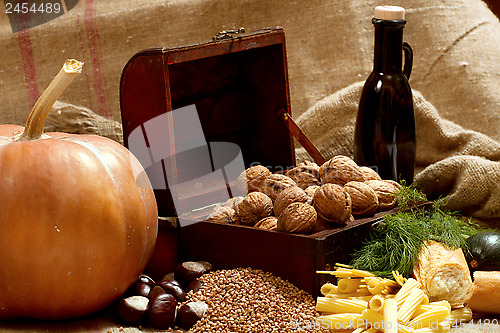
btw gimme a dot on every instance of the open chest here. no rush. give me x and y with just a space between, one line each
196 116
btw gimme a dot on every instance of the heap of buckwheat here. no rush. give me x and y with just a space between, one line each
248 300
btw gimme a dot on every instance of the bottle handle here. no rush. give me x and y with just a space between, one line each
408 60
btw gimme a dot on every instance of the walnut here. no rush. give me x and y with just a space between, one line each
305 174
396 184
268 223
233 203
298 218
303 179
369 174
312 189
288 196
274 184
321 225
250 179
254 207
222 214
363 197
333 204
385 191
340 170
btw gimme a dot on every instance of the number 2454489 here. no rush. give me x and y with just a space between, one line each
24 8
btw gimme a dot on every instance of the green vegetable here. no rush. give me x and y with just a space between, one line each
396 241
484 251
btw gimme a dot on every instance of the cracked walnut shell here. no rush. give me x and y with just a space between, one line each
363 198
385 191
332 203
340 170
254 207
274 184
288 196
251 179
298 218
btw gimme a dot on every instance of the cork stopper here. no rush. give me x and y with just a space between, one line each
389 13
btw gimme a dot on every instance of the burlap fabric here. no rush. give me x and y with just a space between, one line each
461 164
329 47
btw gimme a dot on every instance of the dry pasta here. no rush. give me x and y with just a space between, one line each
430 318
346 286
328 288
376 303
340 305
426 307
339 322
410 304
405 291
461 315
390 316
372 319
364 303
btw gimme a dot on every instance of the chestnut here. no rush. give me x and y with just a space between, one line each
132 310
189 313
162 311
194 286
189 271
147 280
157 290
169 276
174 288
141 289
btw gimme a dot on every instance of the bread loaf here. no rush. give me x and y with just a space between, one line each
486 292
443 274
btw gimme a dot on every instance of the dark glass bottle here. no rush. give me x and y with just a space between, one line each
384 136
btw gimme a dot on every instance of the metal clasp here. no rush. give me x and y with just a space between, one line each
227 34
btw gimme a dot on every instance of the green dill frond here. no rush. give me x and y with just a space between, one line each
396 240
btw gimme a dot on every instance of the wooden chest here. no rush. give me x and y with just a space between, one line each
236 86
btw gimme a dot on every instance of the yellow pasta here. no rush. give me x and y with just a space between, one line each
405 291
328 288
430 318
376 303
410 304
377 285
342 271
390 316
426 307
431 330
372 319
371 330
459 316
356 295
346 286
339 322
404 329
340 305
400 279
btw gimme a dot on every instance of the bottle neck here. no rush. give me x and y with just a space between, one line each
388 50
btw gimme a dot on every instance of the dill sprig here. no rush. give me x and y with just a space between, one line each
397 239
408 196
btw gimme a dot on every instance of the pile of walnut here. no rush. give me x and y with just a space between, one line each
308 198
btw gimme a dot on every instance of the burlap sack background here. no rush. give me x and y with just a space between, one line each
453 161
330 44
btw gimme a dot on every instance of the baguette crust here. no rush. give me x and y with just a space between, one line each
486 295
443 274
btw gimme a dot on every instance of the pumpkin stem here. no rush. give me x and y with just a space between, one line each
36 119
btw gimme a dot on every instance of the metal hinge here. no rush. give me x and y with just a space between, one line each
228 34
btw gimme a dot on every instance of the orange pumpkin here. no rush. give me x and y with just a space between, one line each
77 225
